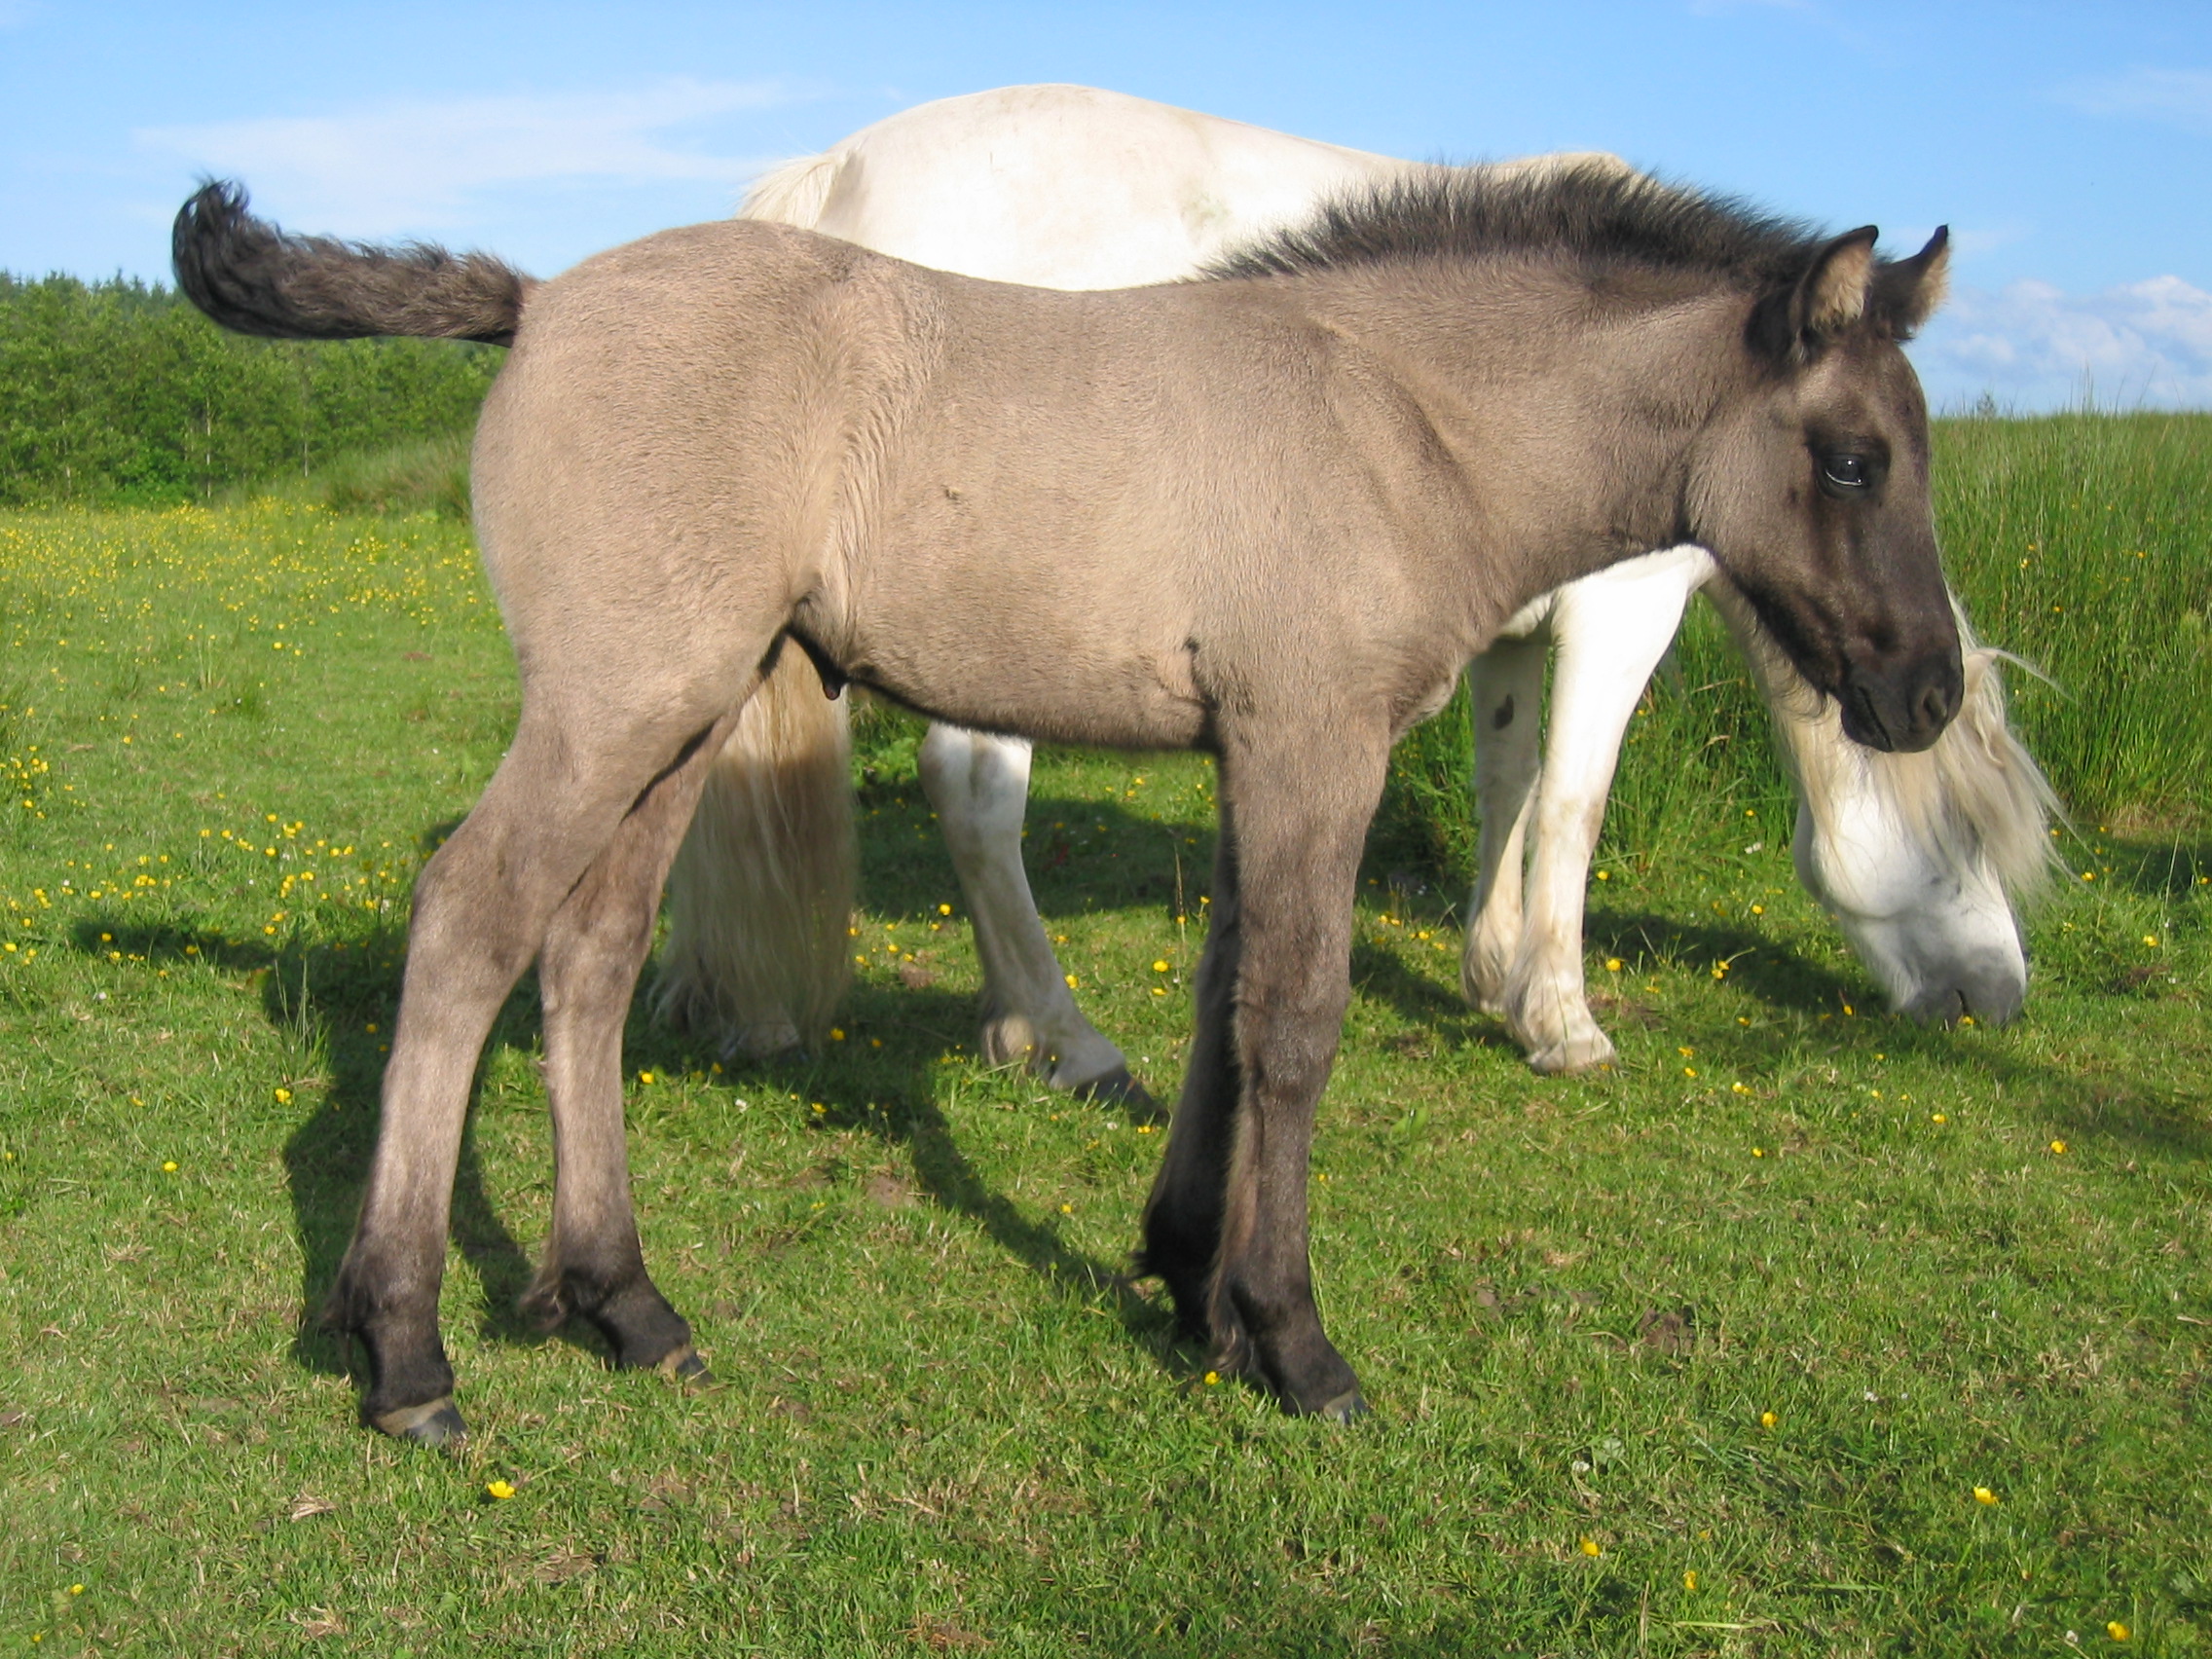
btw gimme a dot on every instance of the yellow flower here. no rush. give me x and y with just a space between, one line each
168 1166
1212 1378
1591 1548
284 1098
1758 1151
1612 965
645 1076
1071 981
1767 1419
76 1589
2058 1146
1689 1580
1983 1495
1738 1088
2116 1631
500 1490
1689 1071
1160 967
944 909
1937 1118
835 1035
1067 1210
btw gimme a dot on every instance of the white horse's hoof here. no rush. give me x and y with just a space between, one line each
1583 1051
1481 983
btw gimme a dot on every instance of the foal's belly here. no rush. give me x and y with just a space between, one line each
1033 653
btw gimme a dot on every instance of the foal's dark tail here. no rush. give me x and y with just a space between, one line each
248 275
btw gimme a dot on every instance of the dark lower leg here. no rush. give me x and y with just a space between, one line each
593 1266
1182 1219
1301 829
482 907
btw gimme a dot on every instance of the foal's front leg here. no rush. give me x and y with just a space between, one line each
979 786
1297 829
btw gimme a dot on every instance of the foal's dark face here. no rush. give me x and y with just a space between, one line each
1817 497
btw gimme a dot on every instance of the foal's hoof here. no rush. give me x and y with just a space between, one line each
687 1371
1117 1088
1348 1406
435 1423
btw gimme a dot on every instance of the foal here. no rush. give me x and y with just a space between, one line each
1267 515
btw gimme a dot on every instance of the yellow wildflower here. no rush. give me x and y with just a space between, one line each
1590 1548
500 1490
1983 1495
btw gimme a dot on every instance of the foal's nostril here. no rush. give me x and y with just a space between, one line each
1937 704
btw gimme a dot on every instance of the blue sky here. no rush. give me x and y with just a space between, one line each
2068 145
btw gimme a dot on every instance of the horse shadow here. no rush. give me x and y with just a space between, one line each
334 1003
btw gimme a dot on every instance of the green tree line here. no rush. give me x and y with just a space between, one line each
119 394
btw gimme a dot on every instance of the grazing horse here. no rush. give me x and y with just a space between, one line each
1269 515
1071 187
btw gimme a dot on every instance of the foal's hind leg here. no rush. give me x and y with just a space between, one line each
587 972
979 786
482 908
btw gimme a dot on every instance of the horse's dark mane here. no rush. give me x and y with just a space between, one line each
1593 213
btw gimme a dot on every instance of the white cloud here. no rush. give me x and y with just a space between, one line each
414 165
2033 346
2170 97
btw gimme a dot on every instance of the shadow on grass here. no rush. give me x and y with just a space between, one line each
335 1002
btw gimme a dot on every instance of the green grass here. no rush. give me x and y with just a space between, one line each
947 1425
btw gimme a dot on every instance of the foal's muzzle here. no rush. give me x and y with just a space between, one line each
1907 708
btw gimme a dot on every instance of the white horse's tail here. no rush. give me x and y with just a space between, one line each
761 893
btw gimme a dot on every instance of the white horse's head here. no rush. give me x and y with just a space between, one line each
1921 857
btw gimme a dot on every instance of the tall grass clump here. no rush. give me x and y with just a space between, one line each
428 476
2081 541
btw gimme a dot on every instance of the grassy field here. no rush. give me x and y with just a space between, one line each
1804 1332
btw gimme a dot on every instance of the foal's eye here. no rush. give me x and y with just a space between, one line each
1844 471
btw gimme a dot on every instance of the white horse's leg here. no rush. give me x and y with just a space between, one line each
1611 630
1505 693
979 786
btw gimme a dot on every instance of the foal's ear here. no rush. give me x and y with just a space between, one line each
1833 294
1907 291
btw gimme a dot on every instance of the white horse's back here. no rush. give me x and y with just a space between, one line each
1089 189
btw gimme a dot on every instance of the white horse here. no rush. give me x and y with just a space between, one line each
1917 856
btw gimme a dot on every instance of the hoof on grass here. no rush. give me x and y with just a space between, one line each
1116 1087
435 1423
684 1367
1348 1406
